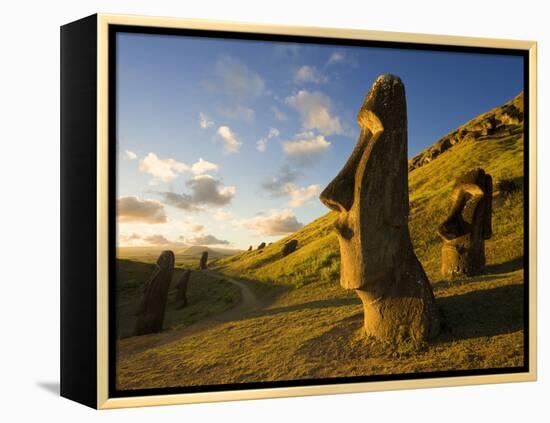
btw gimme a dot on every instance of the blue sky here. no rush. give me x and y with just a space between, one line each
229 142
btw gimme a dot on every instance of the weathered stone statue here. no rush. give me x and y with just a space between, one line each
203 264
372 198
150 314
289 247
261 246
181 294
468 225
249 248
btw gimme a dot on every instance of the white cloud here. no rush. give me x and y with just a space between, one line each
315 111
164 170
309 74
197 228
337 56
236 79
277 222
205 190
231 144
130 155
282 185
300 196
261 144
134 209
279 115
207 240
147 240
306 148
238 112
203 166
204 121
223 216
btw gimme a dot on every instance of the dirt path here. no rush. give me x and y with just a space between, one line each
248 303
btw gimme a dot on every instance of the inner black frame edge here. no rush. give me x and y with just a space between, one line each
113 392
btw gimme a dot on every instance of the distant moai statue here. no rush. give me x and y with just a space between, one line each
150 314
289 247
261 246
371 196
250 248
468 225
203 264
181 294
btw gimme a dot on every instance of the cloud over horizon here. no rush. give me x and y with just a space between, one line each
207 240
277 222
205 191
134 209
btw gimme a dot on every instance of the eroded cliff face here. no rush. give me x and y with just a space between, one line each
501 121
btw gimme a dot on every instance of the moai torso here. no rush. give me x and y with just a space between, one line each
150 315
467 226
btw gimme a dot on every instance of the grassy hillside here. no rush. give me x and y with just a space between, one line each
499 153
206 295
309 327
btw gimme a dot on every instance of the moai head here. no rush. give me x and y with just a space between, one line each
166 260
204 260
370 193
371 196
468 225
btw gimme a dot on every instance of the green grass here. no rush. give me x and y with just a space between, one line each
207 296
312 328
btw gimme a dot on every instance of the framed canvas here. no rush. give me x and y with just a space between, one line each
254 211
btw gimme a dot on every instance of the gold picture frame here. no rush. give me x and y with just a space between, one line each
98 28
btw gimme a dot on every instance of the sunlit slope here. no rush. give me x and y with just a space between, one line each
493 141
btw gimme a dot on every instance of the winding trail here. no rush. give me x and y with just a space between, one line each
247 304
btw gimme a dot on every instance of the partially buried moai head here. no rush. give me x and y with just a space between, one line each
467 225
371 191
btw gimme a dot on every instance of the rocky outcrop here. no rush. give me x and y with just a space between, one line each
502 121
467 226
371 197
289 247
150 313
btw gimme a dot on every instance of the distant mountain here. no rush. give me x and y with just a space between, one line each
197 250
493 141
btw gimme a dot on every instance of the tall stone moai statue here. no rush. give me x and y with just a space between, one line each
203 264
150 314
468 225
181 294
371 197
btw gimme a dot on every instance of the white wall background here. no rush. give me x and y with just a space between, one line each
29 168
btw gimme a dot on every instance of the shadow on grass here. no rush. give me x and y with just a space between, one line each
506 267
491 272
329 303
482 313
